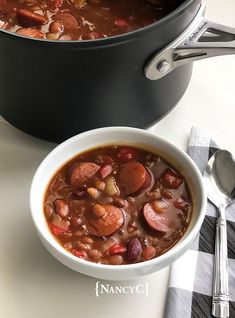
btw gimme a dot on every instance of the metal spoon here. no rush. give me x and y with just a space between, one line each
219 178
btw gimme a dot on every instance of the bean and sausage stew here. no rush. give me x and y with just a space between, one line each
117 205
80 19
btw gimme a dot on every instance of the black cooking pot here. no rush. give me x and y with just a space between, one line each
55 89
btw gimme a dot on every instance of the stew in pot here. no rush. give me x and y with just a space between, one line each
117 205
80 19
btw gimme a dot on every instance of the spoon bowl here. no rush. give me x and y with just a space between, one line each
219 178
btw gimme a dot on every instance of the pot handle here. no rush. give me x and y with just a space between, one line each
202 39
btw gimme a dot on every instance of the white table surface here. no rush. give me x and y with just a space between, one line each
32 282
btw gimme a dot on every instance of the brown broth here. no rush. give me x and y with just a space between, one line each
77 238
81 19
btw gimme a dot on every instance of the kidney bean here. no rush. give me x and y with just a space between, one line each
56 27
148 252
154 220
31 32
127 153
111 222
160 205
116 260
117 249
105 171
98 211
120 202
167 193
171 180
93 193
61 208
132 177
81 172
29 18
134 249
69 22
95 254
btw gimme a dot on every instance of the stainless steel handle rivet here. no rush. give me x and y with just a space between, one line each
163 66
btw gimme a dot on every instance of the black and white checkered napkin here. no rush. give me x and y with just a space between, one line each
190 287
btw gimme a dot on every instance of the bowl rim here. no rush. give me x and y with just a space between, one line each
175 250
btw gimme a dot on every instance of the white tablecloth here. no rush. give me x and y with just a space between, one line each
32 282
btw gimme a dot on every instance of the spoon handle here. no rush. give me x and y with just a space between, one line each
220 299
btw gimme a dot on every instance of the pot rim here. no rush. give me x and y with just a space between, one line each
125 37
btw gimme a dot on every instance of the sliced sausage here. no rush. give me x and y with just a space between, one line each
69 22
31 32
109 223
154 220
81 172
29 18
132 177
171 180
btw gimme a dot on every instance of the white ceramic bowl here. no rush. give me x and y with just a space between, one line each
113 135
